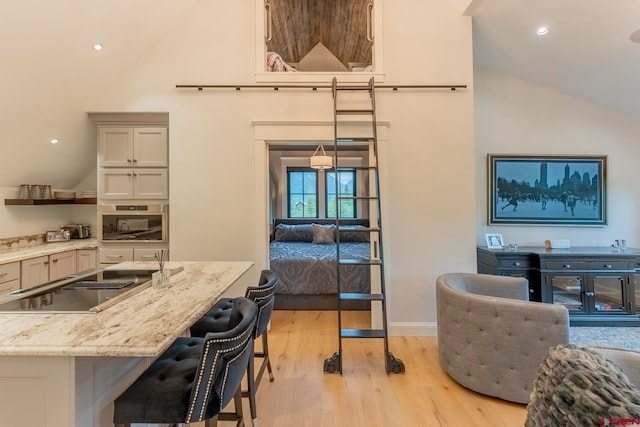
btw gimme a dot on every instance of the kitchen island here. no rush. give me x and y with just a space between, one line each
65 370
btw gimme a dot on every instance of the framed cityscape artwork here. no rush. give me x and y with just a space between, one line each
550 190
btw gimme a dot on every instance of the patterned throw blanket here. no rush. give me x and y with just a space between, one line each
275 62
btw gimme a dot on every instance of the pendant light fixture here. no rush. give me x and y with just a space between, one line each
320 160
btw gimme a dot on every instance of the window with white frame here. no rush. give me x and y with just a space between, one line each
305 186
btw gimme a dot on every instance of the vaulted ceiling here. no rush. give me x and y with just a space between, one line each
340 25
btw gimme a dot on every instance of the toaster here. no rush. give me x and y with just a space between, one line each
78 231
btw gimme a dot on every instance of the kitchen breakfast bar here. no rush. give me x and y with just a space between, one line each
65 369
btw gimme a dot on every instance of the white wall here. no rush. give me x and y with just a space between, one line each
428 191
516 117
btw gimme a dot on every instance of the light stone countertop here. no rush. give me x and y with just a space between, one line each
12 255
142 325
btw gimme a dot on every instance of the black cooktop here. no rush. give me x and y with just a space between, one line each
81 293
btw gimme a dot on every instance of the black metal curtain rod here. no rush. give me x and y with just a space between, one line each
316 87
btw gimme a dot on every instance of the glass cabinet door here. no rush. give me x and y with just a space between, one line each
608 293
567 291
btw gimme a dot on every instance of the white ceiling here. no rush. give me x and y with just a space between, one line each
587 52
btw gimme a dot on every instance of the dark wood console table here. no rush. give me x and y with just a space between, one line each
599 286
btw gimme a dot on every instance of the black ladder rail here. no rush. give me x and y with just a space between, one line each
333 364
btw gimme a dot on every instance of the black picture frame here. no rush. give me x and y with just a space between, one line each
547 190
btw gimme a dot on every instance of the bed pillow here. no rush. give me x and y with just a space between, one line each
347 233
293 233
323 233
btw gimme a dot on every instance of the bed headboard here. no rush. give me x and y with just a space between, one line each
322 221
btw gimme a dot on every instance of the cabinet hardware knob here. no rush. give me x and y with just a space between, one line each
129 160
3 274
607 266
135 161
128 174
516 264
55 260
566 265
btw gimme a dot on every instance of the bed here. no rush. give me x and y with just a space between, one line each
306 264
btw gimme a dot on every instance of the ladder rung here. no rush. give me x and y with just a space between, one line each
358 139
353 87
359 230
357 197
361 297
362 333
356 112
352 261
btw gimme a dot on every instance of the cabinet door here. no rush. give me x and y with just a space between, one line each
86 259
62 264
115 146
34 271
608 293
116 183
568 290
150 184
150 148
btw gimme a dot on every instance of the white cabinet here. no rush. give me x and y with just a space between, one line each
9 277
130 183
62 264
132 147
34 271
86 259
133 163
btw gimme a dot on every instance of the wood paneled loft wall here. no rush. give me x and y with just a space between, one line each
341 26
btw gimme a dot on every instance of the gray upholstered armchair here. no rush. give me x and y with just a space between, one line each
491 339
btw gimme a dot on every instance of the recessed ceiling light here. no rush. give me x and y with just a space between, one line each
54 140
541 31
97 46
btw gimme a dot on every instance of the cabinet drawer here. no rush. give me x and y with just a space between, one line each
514 263
609 265
565 265
10 286
114 256
148 255
9 272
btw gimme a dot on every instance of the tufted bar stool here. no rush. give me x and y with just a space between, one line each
264 296
491 338
195 378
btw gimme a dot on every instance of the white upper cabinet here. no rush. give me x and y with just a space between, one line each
132 147
315 40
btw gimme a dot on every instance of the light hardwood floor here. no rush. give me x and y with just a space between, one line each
364 395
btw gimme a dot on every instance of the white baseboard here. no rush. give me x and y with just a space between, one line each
413 329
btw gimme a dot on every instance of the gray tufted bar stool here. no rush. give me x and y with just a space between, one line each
195 378
264 296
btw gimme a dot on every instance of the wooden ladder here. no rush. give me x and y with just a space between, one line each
333 364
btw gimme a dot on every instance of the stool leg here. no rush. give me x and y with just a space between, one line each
265 350
251 388
238 404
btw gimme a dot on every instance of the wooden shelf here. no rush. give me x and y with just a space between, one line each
32 202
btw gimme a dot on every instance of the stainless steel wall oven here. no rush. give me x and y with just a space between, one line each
132 223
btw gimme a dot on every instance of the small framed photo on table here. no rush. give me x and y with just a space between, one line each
494 240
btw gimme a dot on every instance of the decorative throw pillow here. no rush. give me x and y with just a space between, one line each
293 233
578 387
323 233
